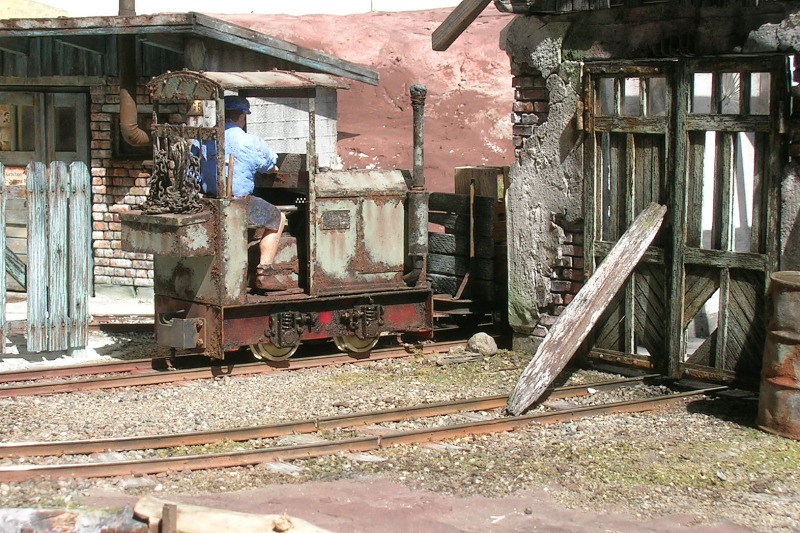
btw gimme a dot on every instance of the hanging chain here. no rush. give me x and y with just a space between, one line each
175 181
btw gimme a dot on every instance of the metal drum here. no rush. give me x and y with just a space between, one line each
779 397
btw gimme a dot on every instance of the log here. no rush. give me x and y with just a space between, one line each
198 519
576 322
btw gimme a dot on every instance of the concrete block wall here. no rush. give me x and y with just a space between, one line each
283 122
117 186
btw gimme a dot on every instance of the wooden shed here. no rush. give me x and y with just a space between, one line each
64 82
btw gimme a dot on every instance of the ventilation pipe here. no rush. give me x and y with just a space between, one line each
126 61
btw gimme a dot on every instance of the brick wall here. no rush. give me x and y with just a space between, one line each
567 280
530 106
117 185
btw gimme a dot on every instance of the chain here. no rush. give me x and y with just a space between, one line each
175 181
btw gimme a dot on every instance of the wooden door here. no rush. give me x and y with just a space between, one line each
700 136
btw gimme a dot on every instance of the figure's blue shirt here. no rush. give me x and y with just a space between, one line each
251 153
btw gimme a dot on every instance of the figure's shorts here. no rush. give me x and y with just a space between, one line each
262 214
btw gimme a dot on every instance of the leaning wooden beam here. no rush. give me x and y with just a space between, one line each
456 22
576 322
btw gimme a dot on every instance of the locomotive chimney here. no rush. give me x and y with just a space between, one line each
418 196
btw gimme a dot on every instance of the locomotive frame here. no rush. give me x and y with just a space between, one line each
351 263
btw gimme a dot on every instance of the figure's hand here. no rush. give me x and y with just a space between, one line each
274 170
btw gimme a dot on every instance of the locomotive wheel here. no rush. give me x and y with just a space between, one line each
352 344
269 352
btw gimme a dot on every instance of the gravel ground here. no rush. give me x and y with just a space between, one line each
702 458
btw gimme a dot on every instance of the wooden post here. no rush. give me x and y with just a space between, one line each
580 316
80 254
456 22
57 227
37 257
229 181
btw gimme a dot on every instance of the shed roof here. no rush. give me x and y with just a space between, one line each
166 30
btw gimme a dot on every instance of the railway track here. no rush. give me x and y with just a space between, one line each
109 375
376 439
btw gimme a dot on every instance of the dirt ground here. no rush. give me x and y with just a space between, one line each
379 505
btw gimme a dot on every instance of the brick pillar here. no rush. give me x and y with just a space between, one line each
531 105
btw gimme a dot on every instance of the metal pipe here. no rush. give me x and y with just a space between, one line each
417 222
418 94
128 117
127 8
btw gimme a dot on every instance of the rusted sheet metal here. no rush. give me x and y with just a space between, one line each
275 79
178 235
359 224
779 395
190 85
218 277
786 301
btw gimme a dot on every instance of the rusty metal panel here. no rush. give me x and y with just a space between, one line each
360 183
358 231
275 79
183 85
176 235
231 256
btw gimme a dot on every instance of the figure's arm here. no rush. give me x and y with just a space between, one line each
267 158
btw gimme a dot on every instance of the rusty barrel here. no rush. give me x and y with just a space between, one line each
779 396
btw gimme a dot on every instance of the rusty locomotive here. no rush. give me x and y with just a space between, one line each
351 261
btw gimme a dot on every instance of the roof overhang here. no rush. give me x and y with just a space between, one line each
189 85
194 24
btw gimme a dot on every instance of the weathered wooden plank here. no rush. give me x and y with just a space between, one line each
631 124
15 267
698 122
721 258
676 274
37 258
57 227
80 254
3 259
488 181
476 289
456 22
574 325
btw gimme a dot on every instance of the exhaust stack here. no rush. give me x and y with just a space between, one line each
418 196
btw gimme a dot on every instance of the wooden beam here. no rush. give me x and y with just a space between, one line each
456 22
95 44
15 45
172 43
576 322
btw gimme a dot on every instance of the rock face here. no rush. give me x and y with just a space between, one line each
469 87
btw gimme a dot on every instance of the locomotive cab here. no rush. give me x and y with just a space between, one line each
349 266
